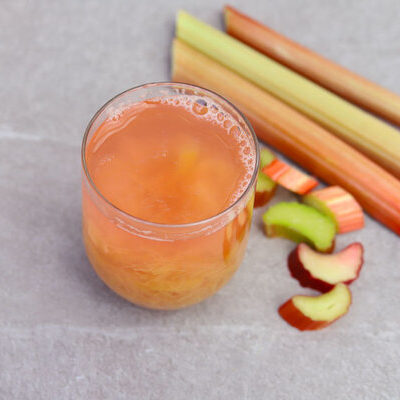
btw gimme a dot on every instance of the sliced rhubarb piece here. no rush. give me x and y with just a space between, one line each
334 77
323 271
299 138
347 121
300 223
266 157
308 313
265 187
289 177
339 205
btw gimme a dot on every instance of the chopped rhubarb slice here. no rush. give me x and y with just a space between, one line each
300 223
266 157
265 187
323 271
308 313
289 177
339 205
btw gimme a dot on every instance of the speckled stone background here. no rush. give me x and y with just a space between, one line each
63 334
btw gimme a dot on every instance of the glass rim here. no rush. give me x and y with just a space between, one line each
157 224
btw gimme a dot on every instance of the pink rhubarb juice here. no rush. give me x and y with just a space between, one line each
168 189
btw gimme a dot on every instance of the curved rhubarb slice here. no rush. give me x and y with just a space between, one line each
265 190
300 223
308 313
265 187
289 177
323 271
339 205
266 157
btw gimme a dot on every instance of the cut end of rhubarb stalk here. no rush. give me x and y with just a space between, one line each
289 177
300 223
339 205
323 271
316 312
226 11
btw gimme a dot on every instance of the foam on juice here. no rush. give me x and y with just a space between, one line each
207 109
210 111
118 122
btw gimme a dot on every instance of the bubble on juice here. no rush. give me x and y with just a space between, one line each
199 109
115 113
235 130
227 124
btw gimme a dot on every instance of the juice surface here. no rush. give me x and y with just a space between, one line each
170 160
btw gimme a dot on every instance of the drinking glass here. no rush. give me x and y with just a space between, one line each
157 265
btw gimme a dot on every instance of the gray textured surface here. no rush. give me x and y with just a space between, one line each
63 335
